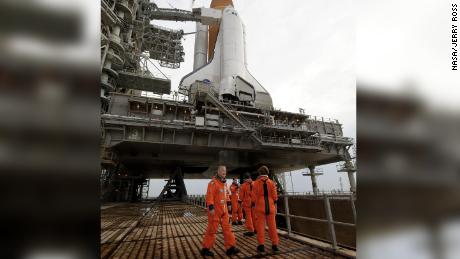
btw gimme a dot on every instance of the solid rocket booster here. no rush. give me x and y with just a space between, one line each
201 46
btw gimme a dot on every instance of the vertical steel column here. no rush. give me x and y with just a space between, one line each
286 206
313 175
352 180
353 207
106 50
288 218
350 169
330 221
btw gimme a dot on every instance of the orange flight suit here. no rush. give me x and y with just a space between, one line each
229 202
237 211
216 197
245 196
227 189
265 197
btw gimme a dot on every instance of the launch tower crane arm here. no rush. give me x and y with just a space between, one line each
206 16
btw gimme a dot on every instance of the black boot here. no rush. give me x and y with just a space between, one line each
240 222
261 249
275 248
234 223
206 252
232 251
249 234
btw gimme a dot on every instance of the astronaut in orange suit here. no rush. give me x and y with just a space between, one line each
229 201
265 197
237 211
216 202
246 198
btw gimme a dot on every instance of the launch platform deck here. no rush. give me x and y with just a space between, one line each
175 230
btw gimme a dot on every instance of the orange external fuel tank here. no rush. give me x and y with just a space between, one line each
214 29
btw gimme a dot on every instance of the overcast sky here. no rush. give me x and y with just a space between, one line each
302 52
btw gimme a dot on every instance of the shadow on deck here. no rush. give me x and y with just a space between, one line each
175 230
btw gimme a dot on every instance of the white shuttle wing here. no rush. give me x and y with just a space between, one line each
263 100
210 71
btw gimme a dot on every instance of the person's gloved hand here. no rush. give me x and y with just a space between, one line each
253 204
211 209
239 202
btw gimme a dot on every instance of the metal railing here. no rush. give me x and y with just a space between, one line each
335 138
200 200
311 141
329 218
334 193
173 96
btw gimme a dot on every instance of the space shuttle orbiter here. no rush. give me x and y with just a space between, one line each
221 59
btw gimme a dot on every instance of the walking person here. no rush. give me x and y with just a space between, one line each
265 197
237 211
246 198
216 202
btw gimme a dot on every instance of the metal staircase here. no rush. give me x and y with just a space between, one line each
227 109
232 114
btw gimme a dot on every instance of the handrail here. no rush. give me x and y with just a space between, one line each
240 119
320 193
311 141
172 96
200 200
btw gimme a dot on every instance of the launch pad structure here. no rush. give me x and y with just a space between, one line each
219 115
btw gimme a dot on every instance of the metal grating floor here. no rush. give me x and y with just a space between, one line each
175 230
